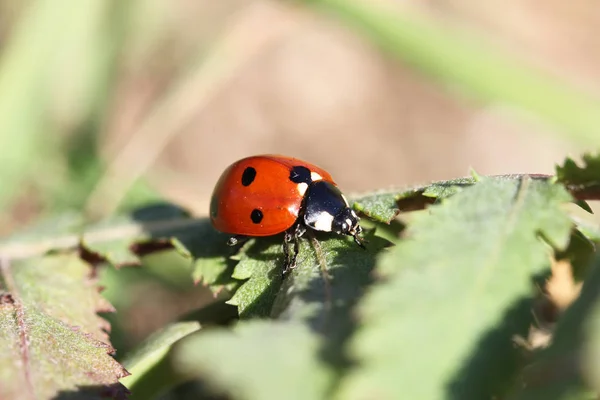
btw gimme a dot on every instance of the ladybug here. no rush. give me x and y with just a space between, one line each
269 194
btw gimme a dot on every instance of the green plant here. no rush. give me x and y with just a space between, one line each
445 302
430 310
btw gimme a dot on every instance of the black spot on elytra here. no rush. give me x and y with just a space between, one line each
300 174
256 215
248 176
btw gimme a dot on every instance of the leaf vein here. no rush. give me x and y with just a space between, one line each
508 227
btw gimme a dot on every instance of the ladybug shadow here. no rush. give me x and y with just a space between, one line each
489 370
168 226
262 250
114 391
334 293
196 389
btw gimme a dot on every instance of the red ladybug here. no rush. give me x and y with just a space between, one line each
270 194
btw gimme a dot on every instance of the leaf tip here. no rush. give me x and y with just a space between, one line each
180 247
476 177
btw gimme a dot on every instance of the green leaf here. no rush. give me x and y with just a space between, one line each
584 177
444 189
384 206
261 264
51 339
583 204
115 239
217 313
46 229
455 292
323 290
52 233
589 229
123 239
210 255
319 263
580 253
381 207
569 368
149 376
258 360
590 351
331 275
261 261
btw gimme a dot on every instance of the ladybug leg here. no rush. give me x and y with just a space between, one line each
292 235
237 239
299 231
359 240
288 264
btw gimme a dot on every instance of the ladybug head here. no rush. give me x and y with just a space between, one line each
346 222
326 209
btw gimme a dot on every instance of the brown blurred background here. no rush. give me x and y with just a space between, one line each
191 86
301 84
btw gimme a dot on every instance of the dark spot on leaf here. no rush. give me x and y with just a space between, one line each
256 215
91 257
6 298
116 390
248 176
149 247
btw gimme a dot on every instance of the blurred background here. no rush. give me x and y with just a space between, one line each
107 104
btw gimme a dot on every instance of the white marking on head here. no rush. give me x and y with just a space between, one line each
349 222
354 214
323 222
315 177
302 188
